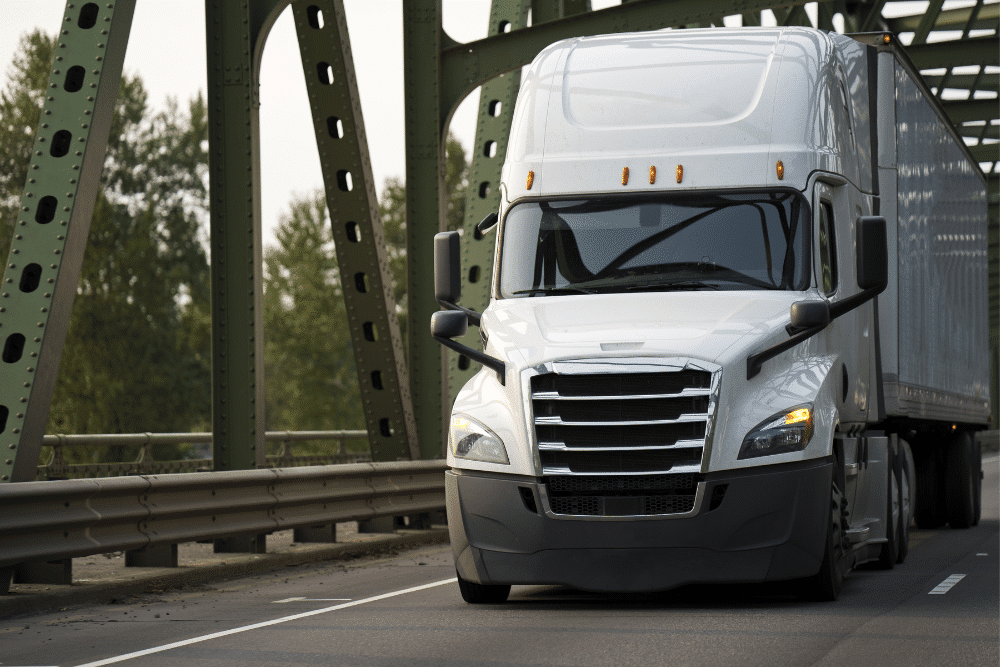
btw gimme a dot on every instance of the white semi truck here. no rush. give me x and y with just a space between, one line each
738 322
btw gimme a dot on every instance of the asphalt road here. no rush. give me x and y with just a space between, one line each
406 610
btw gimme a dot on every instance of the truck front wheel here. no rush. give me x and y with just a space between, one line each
825 585
480 593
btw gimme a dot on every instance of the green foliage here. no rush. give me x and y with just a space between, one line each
20 109
392 210
137 355
310 375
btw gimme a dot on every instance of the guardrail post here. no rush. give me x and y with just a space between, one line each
59 572
383 524
325 534
154 555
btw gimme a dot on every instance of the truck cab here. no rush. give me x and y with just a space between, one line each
682 366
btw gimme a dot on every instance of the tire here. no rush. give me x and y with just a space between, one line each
889 553
482 593
961 484
825 585
906 495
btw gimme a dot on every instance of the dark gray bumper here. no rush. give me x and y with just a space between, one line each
771 525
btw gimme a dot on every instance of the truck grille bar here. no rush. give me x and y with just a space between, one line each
615 443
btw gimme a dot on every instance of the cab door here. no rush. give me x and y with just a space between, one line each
848 336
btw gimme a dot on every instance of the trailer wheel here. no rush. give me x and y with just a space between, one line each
960 482
825 585
482 593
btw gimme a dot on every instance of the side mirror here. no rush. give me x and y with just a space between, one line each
873 254
809 314
449 324
447 268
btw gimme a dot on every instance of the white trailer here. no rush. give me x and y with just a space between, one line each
739 274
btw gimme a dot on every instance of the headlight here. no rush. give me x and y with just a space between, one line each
473 441
784 432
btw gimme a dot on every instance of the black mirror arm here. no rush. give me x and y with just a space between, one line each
756 360
487 223
474 317
852 302
475 355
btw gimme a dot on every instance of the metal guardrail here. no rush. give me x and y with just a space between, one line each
146 464
41 521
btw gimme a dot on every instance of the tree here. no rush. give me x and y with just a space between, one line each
392 210
137 354
310 377
20 108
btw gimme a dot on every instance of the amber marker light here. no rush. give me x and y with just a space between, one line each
625 176
886 38
780 168
680 173
531 179
652 175
798 416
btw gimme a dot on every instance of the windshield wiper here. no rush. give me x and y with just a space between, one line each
555 290
677 285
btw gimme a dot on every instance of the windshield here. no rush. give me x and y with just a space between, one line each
693 241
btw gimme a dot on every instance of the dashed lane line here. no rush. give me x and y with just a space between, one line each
946 585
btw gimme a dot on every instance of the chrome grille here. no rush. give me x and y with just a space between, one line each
621 444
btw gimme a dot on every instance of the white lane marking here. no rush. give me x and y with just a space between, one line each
947 584
245 628
982 554
311 600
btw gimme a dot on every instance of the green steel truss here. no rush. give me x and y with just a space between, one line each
50 234
406 407
357 230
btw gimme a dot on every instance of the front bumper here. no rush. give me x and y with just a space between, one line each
771 525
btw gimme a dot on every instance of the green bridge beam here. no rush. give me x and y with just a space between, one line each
43 270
